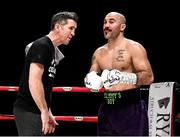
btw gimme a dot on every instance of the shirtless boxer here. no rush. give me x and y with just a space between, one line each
124 67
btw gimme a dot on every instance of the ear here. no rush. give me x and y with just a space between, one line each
123 26
58 26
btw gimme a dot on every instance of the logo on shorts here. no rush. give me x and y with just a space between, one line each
111 97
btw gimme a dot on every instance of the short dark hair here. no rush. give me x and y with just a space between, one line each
62 17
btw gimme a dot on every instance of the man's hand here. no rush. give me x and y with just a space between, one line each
48 122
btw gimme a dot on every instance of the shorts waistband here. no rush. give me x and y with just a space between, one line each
123 97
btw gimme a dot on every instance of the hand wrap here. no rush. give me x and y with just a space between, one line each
112 77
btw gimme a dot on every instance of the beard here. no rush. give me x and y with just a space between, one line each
111 34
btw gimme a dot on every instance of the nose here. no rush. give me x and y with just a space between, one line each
106 25
73 33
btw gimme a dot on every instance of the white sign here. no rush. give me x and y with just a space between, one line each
160 107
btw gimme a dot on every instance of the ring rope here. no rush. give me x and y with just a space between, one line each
9 88
55 89
92 119
61 89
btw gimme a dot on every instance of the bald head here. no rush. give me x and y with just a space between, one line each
117 15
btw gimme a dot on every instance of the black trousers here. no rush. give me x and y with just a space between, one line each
28 123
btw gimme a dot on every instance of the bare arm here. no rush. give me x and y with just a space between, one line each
142 66
37 92
36 86
94 64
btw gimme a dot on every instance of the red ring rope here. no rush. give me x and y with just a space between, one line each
92 119
55 89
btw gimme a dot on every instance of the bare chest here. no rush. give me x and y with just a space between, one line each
117 59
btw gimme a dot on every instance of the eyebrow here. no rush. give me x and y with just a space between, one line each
111 19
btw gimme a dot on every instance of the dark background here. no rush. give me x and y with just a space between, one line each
152 23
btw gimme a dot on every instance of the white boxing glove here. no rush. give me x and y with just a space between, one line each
114 76
93 81
105 79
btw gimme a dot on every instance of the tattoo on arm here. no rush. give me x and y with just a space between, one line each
120 55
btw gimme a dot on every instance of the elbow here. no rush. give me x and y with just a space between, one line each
151 79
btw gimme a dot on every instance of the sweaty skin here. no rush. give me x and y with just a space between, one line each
122 54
